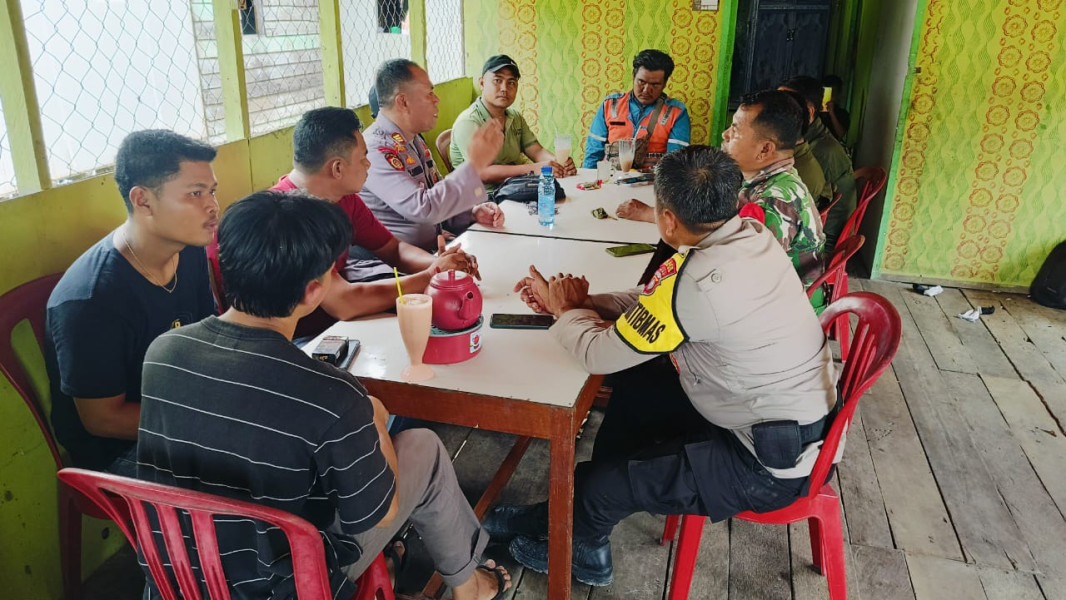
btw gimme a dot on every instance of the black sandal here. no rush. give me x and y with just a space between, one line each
501 581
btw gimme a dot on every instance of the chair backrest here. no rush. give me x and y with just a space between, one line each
27 303
837 269
824 213
873 181
873 346
444 143
125 501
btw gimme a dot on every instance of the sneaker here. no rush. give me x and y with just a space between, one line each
507 521
591 560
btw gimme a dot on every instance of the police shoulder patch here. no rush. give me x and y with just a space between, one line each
392 158
650 326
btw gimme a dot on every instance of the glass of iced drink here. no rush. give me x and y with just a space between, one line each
414 313
562 148
625 155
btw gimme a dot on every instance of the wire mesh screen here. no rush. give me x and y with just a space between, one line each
104 69
373 31
7 168
282 63
203 20
444 40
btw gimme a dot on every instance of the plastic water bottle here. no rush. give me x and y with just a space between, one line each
546 197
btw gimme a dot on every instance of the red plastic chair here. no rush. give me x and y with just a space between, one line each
835 279
876 341
824 213
873 181
444 143
27 303
125 501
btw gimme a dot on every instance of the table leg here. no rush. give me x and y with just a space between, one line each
561 503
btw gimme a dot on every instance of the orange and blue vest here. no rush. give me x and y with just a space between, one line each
614 121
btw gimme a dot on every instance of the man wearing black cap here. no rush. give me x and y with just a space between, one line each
499 87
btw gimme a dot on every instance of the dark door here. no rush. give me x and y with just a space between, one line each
810 32
775 40
772 51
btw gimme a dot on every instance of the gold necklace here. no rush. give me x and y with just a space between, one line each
148 273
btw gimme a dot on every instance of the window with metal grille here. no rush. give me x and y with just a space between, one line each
444 40
365 45
105 69
249 20
392 16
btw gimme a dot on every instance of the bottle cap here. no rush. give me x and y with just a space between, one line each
546 170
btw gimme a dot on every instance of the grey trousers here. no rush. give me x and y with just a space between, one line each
431 499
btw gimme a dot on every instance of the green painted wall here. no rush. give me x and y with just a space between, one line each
884 55
455 96
974 197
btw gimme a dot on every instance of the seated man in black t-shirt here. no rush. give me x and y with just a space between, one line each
145 277
232 407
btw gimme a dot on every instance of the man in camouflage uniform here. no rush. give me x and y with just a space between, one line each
762 139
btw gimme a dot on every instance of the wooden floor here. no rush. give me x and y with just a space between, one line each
953 481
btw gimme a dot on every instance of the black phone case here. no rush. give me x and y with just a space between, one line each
353 349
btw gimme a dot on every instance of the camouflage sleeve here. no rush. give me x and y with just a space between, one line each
779 219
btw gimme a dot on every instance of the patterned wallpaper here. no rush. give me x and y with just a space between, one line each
573 52
977 196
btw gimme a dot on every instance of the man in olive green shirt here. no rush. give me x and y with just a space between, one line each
807 166
521 152
831 156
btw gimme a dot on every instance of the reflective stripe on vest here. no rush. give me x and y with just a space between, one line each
620 126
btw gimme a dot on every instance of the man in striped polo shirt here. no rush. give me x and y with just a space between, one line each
231 407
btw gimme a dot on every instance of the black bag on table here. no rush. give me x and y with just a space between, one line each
523 188
1049 286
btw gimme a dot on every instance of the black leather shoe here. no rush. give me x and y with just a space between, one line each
507 521
591 563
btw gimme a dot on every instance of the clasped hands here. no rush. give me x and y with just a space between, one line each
559 169
489 214
454 258
554 295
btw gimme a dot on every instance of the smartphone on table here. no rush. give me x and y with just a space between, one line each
637 180
630 250
337 350
527 321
